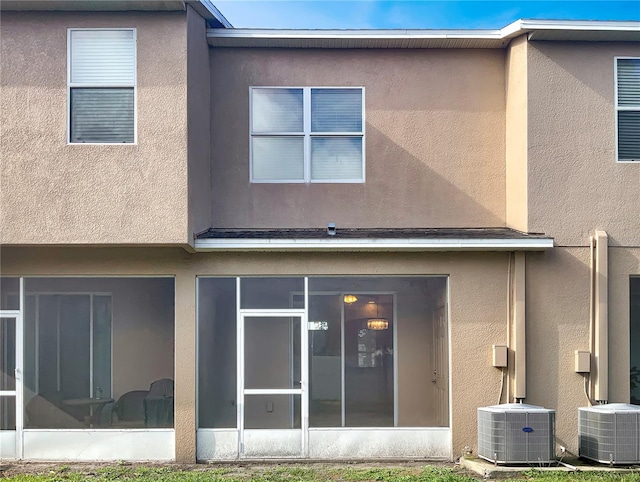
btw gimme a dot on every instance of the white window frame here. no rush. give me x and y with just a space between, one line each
307 134
621 108
72 85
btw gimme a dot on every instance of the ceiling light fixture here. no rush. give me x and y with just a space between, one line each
348 299
377 323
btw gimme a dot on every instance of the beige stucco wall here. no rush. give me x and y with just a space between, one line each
57 193
435 144
623 263
516 134
198 123
558 324
574 183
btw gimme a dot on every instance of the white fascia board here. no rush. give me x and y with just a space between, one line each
520 27
438 244
594 25
352 34
515 29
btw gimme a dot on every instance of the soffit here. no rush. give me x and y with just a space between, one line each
587 35
552 30
204 7
356 39
92 5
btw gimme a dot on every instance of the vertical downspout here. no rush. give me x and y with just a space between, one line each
601 319
519 331
510 362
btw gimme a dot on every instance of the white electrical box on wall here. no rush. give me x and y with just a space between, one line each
499 358
582 361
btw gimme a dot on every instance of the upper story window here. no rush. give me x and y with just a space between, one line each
628 108
307 134
101 79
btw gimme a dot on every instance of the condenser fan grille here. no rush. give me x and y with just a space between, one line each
516 433
610 433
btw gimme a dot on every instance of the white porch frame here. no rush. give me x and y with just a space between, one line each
144 444
433 443
260 437
11 442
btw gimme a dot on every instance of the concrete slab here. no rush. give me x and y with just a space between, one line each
491 471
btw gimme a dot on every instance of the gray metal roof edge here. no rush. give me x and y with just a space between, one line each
504 232
210 12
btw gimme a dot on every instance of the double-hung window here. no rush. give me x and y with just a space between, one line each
102 85
628 109
307 134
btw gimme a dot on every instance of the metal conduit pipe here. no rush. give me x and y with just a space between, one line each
600 318
509 303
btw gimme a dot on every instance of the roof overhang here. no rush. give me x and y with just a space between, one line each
434 239
356 39
204 245
204 7
92 5
556 30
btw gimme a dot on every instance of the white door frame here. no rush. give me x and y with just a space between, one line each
304 373
18 392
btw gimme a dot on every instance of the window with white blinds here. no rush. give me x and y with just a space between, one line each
102 83
307 134
628 109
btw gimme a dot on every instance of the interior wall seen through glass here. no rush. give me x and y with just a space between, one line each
271 352
217 376
325 360
9 293
269 293
98 353
369 362
396 370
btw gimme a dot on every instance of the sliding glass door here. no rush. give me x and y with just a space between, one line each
68 345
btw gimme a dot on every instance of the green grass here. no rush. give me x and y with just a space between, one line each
278 473
539 476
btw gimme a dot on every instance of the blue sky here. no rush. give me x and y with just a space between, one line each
400 14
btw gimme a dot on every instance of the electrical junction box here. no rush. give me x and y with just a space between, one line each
499 359
582 361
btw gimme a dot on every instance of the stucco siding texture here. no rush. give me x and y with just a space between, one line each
198 123
516 134
575 184
558 324
557 315
59 193
434 139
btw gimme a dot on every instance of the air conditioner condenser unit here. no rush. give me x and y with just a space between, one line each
516 433
610 434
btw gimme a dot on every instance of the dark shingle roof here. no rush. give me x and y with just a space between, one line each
368 233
